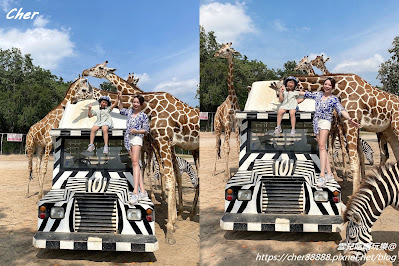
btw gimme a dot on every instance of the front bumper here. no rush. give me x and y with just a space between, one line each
103 242
281 223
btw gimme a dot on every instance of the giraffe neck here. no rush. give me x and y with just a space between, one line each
324 70
69 94
230 83
122 85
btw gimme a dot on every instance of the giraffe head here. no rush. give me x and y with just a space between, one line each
80 90
226 51
99 71
303 64
132 81
319 62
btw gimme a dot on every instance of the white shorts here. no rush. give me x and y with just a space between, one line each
135 140
324 124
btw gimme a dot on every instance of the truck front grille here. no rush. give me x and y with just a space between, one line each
282 195
95 213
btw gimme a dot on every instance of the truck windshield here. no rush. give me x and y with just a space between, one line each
75 155
263 139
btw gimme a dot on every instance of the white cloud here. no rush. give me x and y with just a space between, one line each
143 78
99 50
47 47
6 4
370 64
176 87
40 22
228 21
279 25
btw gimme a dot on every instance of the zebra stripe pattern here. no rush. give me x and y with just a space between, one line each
363 209
184 167
367 150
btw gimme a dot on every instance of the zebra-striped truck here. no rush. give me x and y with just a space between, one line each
275 186
87 206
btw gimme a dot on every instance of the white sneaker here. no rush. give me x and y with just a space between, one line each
329 177
292 132
321 182
143 195
133 200
90 148
277 130
105 149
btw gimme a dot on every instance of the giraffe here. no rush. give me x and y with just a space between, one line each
306 66
225 116
319 62
375 110
103 71
172 123
132 80
38 136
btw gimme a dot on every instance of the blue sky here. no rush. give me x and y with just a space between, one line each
356 35
157 40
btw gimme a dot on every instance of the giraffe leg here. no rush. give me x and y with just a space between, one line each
361 159
331 139
392 135
196 196
44 168
237 129
170 186
227 153
218 132
352 140
30 150
179 180
383 145
195 201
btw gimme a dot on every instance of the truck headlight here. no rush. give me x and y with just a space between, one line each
133 214
57 213
244 194
320 196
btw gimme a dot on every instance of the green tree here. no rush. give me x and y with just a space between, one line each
213 74
389 70
27 92
108 86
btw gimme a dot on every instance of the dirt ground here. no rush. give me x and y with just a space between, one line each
219 247
18 224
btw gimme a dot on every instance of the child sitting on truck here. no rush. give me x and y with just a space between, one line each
289 101
104 121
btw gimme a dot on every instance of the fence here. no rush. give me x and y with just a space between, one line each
12 143
206 121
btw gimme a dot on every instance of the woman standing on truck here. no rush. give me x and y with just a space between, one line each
136 127
325 102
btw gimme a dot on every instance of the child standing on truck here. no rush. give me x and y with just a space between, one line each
289 101
104 121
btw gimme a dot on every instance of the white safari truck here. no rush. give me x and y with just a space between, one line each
275 186
87 206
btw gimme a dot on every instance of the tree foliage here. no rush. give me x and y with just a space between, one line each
213 74
389 70
108 86
27 92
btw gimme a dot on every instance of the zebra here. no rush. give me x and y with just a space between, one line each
367 150
363 209
184 167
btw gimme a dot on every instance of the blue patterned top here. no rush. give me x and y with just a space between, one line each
323 109
140 121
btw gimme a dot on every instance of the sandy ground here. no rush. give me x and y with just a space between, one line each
18 224
219 247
